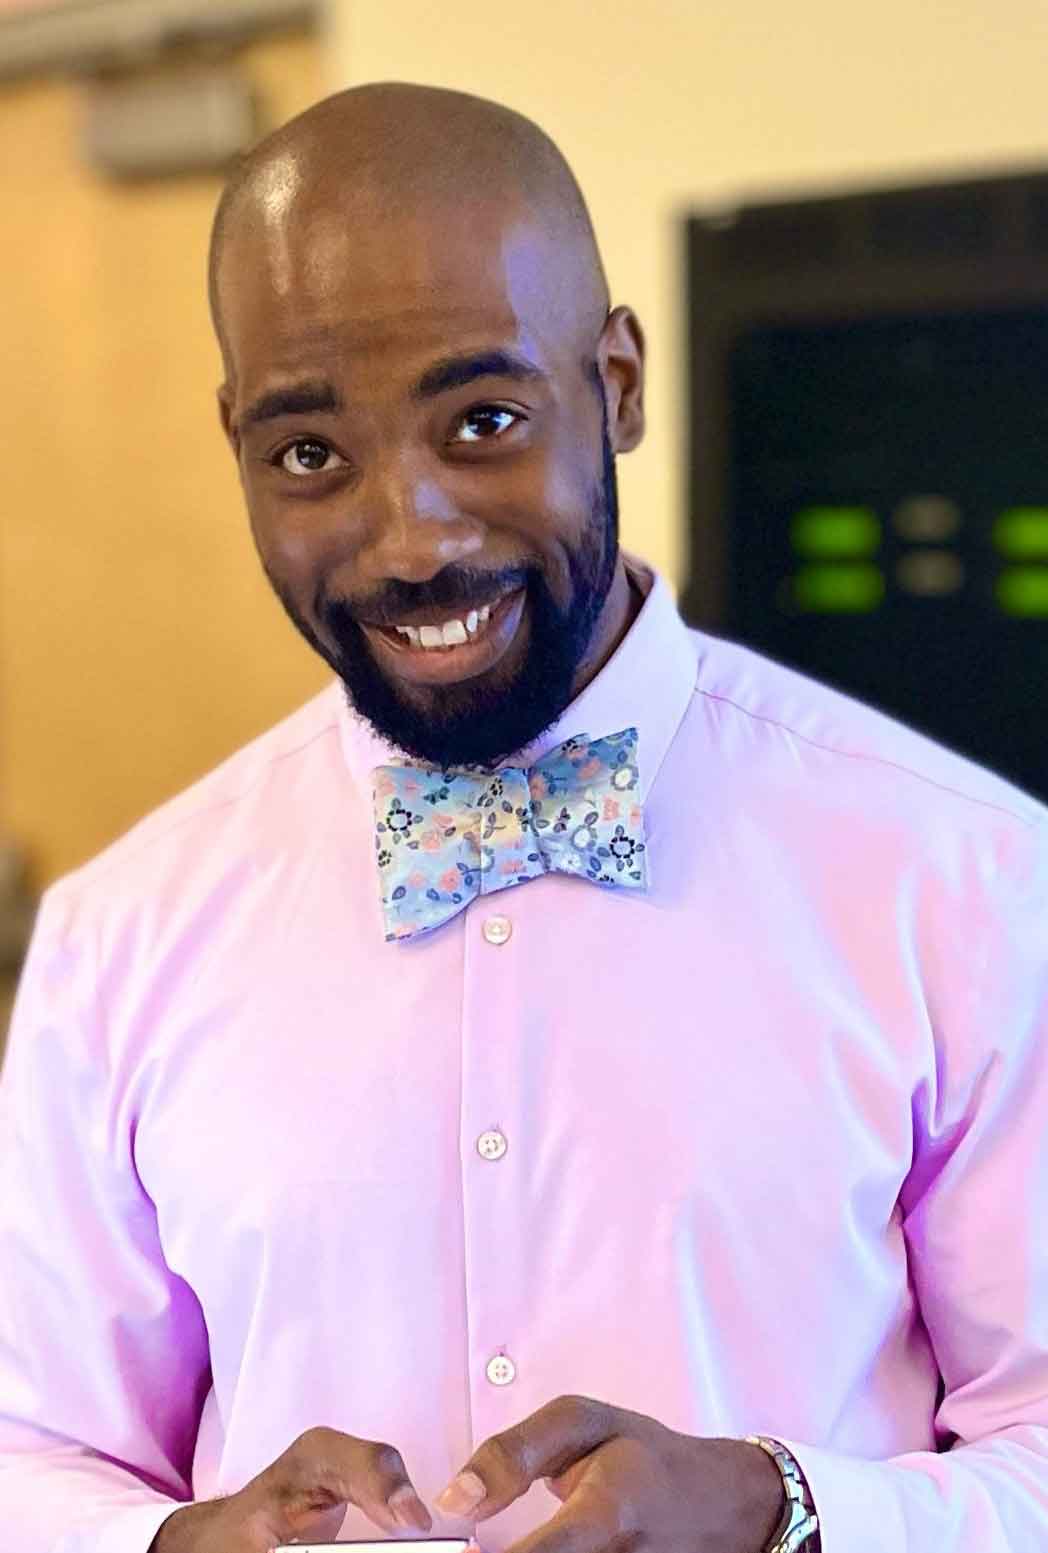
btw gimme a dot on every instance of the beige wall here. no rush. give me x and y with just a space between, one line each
139 640
659 104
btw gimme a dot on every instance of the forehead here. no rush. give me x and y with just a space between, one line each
396 285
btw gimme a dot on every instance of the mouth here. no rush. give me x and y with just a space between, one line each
447 665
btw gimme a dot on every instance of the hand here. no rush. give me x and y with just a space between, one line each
303 1494
626 1480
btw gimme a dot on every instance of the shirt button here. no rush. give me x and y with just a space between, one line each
501 1370
491 1145
497 930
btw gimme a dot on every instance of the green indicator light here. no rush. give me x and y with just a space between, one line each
838 590
1023 590
821 532
1022 533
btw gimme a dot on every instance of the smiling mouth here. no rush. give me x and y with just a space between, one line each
469 626
458 660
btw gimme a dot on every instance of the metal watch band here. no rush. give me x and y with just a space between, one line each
799 1522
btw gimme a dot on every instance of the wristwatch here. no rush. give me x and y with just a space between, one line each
799 1522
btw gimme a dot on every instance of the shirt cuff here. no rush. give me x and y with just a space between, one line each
129 1530
855 1499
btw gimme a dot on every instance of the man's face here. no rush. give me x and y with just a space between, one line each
420 434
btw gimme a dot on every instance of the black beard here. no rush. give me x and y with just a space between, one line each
480 721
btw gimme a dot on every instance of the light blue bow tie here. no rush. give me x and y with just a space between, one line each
444 837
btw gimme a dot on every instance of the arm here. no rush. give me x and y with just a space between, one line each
976 1226
104 1363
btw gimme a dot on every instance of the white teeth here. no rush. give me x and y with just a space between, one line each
451 634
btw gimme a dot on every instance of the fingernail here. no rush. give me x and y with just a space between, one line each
402 1502
462 1494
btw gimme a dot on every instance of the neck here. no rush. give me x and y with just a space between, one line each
623 605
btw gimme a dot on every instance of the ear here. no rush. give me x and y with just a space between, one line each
620 357
225 415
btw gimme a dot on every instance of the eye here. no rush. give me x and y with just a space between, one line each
484 417
308 454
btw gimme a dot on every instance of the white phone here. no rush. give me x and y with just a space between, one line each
408 1544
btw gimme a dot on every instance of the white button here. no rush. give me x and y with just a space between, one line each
501 1370
497 930
491 1145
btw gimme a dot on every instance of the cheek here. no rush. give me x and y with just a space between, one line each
574 468
294 550
290 544
567 494
544 492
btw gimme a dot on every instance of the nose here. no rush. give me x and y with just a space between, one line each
413 525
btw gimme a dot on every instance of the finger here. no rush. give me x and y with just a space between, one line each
564 1483
387 1495
324 1470
545 1444
409 1510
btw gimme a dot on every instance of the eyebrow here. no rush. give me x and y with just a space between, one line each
457 371
322 398
309 398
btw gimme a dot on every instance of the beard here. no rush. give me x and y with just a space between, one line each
479 721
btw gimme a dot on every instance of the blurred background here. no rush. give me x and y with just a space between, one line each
832 221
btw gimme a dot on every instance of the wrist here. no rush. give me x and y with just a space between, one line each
766 1498
797 1530
181 1532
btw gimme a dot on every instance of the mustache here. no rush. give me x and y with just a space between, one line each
456 592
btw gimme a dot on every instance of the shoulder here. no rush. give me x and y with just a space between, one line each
773 724
252 799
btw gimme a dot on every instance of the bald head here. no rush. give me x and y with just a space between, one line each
392 150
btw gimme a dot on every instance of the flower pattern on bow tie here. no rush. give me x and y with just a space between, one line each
574 811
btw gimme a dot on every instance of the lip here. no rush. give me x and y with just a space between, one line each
432 666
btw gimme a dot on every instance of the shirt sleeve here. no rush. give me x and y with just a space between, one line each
976 1227
104 1363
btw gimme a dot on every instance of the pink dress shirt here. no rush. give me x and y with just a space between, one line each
761 1150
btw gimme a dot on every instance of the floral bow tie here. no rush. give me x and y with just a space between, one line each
445 837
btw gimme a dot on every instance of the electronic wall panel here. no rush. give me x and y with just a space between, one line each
870 453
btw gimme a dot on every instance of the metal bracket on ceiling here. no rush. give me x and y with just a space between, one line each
93 36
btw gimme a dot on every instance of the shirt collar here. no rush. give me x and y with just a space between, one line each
646 684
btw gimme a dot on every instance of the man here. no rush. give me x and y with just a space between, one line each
572 1050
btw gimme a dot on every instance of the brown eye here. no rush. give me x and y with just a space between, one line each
309 456
482 425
